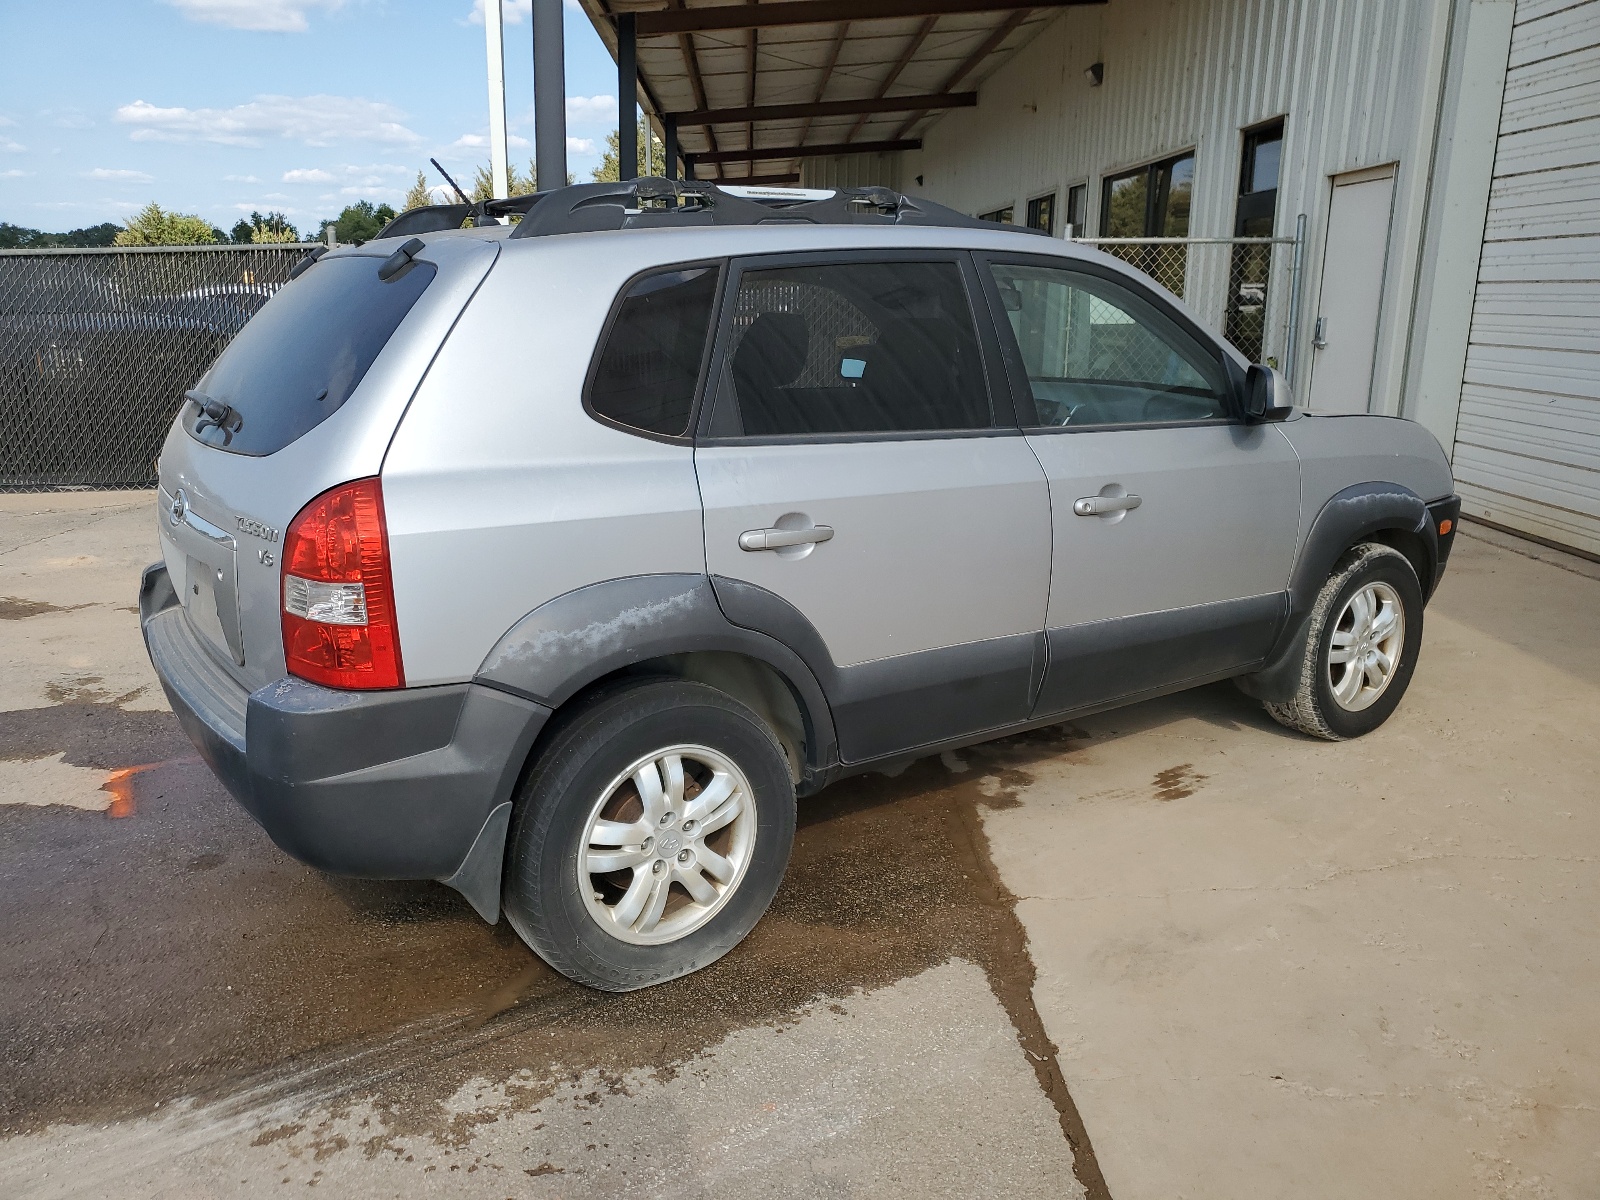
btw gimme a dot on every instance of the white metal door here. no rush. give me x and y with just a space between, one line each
1346 331
1527 452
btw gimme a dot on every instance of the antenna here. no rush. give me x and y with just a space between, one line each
450 181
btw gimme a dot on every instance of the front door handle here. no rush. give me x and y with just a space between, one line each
1100 506
777 539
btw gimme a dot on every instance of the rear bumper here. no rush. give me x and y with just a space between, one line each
388 785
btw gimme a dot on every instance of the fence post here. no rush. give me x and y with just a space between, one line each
1291 352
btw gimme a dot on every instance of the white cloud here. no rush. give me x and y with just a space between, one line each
581 146
584 109
15 173
517 142
240 179
287 210
5 121
313 120
470 141
10 147
119 175
307 175
269 16
68 119
512 12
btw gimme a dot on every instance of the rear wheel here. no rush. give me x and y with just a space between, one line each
650 836
1362 640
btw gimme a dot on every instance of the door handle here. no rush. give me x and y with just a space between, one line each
777 539
1100 506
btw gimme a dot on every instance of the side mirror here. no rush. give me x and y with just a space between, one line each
1266 395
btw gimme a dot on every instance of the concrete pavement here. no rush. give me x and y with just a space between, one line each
1272 966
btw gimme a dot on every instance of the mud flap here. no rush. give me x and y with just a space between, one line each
478 876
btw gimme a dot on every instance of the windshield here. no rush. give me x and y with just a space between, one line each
298 359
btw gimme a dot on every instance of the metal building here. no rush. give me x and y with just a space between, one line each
1394 200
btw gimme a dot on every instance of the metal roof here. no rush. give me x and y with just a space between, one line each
753 88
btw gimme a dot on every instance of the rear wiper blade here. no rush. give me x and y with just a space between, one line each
214 412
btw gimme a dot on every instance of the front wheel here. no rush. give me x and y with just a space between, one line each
651 835
1362 640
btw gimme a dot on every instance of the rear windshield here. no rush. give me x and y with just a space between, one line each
300 357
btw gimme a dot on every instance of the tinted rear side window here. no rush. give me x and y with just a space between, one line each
300 357
862 347
649 366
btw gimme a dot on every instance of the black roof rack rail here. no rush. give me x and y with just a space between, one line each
431 218
655 203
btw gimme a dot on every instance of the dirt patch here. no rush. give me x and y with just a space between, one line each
179 953
1177 782
15 608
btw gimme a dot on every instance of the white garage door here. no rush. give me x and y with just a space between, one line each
1527 452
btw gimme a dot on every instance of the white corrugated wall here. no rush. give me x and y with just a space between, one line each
1527 452
1356 81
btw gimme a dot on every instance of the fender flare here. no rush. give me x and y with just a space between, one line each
574 639
1349 516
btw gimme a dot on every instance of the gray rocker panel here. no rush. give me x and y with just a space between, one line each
1105 661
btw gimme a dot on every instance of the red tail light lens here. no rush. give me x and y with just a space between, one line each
339 626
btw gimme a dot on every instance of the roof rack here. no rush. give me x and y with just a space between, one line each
655 203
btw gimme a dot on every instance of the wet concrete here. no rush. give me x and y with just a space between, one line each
178 952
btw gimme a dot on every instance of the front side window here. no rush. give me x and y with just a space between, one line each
1098 354
649 367
862 347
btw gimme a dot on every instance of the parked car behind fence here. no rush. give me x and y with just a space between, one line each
97 348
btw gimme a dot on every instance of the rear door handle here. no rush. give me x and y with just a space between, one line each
1099 506
777 539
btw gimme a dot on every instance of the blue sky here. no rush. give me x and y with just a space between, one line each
218 107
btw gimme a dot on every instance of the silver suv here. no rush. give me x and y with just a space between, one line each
554 560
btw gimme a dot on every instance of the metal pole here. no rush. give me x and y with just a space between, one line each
627 99
549 96
670 148
498 159
1291 350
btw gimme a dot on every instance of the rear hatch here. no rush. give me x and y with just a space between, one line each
306 397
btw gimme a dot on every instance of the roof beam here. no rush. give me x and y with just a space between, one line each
985 48
818 151
827 108
654 23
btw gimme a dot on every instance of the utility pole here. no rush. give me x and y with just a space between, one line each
494 35
549 95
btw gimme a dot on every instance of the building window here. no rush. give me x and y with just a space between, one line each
1078 209
1001 216
1152 201
1042 213
1250 273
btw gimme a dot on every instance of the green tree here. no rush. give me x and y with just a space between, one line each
153 226
652 155
272 229
18 237
419 196
359 222
242 233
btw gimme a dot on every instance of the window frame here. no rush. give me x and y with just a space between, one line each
1078 231
994 216
1148 170
1034 202
1002 416
1017 372
614 314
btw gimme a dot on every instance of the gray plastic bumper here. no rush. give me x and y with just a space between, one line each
388 785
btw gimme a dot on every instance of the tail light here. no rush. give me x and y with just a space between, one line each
339 625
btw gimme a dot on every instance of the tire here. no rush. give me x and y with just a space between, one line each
581 808
1330 701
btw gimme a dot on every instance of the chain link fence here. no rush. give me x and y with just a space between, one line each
97 348
1246 289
